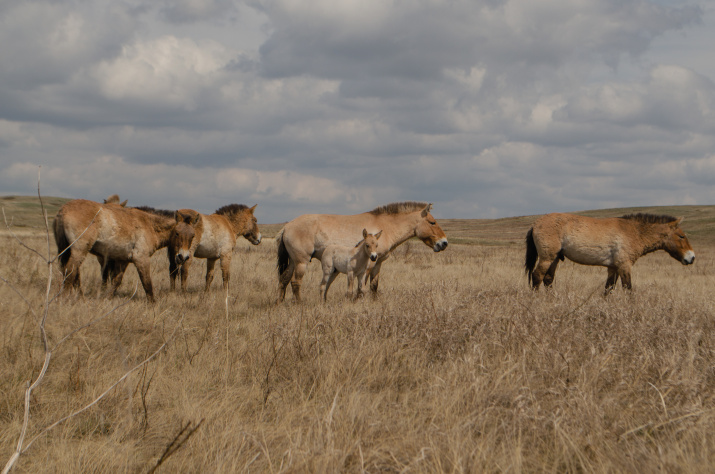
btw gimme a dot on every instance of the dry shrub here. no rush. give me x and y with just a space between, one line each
455 366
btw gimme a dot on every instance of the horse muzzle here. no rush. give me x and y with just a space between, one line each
440 245
181 258
373 257
254 240
688 258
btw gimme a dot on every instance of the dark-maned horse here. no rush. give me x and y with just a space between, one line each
615 243
214 238
306 237
119 235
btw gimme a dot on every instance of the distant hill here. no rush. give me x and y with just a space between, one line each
24 211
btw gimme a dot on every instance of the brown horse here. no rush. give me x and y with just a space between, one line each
306 237
119 235
214 238
615 243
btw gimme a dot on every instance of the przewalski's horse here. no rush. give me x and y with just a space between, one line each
214 239
119 235
615 243
353 261
114 199
306 237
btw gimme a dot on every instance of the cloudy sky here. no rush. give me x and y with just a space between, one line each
487 108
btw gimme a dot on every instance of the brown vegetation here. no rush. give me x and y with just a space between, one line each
456 366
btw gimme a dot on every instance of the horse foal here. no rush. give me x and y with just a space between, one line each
353 261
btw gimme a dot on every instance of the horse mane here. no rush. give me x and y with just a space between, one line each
399 208
231 209
157 212
650 218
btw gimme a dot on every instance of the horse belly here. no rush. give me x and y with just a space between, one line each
590 254
114 249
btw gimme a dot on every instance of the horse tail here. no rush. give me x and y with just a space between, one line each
531 254
61 240
283 256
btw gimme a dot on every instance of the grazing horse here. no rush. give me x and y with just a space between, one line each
353 261
306 237
118 235
214 237
615 243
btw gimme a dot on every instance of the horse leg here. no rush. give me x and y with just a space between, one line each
611 280
375 277
226 270
144 270
283 280
297 279
210 266
116 276
331 278
551 273
185 274
351 283
71 268
542 270
625 273
173 268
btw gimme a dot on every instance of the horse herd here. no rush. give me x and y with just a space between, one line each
353 244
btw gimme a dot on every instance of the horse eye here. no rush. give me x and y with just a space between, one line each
432 222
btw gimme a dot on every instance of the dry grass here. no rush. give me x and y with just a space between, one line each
456 366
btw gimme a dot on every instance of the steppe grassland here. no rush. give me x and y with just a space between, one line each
456 366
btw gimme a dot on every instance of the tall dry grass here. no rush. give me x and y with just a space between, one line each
456 367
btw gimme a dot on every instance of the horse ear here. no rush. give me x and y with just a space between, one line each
364 233
196 219
377 236
253 208
124 204
426 210
677 221
178 216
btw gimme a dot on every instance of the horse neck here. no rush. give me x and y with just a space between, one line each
162 230
398 228
651 237
359 256
234 223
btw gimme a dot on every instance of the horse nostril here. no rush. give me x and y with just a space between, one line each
373 258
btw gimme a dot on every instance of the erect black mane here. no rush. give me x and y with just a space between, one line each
158 212
399 208
231 209
650 218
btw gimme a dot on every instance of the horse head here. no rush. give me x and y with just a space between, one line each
114 199
370 241
429 232
182 236
676 243
250 226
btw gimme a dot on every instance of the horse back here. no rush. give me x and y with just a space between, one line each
308 235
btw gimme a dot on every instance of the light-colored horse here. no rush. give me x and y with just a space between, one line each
306 237
354 261
615 243
119 235
214 239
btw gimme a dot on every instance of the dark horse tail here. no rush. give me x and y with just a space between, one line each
531 254
61 240
283 257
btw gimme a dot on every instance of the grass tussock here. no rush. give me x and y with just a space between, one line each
456 367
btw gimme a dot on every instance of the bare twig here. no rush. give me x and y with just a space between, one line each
181 437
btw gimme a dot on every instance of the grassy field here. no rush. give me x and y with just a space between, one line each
455 367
